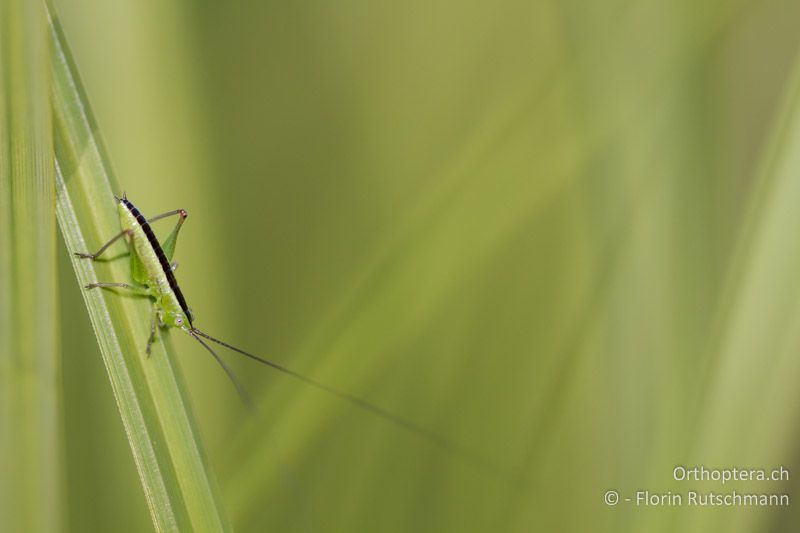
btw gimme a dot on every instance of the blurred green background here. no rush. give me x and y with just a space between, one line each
562 234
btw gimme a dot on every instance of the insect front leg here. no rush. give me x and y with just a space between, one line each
156 318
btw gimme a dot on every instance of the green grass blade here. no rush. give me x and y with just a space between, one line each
752 386
30 428
179 486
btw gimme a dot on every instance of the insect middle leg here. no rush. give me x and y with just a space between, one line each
136 290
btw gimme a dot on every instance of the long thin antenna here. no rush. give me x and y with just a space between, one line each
432 437
243 394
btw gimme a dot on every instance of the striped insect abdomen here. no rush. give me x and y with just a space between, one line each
157 270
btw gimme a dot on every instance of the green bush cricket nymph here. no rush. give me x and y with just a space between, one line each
153 274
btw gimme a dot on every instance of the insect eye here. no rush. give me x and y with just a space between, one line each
178 321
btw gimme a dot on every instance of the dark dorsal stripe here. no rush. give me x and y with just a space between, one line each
162 259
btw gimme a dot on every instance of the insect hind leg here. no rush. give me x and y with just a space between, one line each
182 212
103 248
